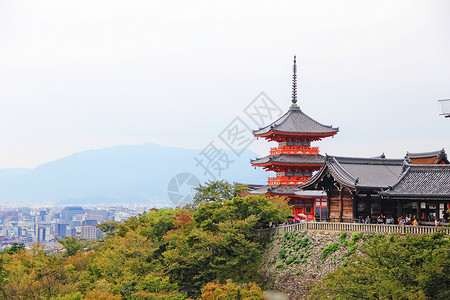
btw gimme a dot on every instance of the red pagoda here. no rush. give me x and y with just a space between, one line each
294 160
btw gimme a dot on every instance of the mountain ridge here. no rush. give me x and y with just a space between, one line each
124 173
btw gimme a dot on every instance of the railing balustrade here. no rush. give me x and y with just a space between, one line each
352 227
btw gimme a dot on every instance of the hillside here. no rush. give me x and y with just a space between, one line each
293 262
121 174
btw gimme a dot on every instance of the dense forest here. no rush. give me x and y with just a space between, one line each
207 251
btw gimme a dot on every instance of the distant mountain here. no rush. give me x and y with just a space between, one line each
122 174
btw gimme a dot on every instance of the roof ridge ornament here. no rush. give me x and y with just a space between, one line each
294 85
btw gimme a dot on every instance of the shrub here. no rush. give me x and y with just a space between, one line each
303 242
283 253
352 249
291 259
343 238
356 237
331 248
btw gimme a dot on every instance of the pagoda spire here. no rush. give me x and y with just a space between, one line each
294 84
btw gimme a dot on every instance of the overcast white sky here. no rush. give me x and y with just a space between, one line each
79 75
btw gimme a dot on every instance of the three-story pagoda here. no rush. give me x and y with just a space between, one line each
294 160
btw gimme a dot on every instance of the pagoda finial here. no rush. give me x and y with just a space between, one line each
294 84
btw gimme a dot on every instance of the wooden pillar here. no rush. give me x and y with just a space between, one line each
341 205
419 211
437 210
381 206
355 205
399 209
328 205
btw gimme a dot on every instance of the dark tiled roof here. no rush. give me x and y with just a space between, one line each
361 173
276 189
253 187
425 154
422 181
295 121
433 157
290 159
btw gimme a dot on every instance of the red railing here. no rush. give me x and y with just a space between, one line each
294 150
287 180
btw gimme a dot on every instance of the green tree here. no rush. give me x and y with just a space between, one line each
263 210
216 191
72 245
109 228
393 267
219 244
15 247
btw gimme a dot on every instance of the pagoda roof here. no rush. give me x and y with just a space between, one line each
423 182
290 159
296 122
428 158
360 173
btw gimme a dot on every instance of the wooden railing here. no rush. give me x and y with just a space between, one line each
353 227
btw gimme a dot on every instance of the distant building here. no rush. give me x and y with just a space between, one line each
89 232
61 230
89 223
41 234
69 211
17 231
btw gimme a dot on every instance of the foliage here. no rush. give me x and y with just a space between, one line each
231 290
355 237
216 191
161 254
280 265
392 267
283 253
295 249
219 244
331 248
109 228
15 247
343 238
36 274
72 245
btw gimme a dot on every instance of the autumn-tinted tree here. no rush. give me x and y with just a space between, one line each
231 290
37 274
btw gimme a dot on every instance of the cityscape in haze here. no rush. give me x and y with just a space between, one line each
45 225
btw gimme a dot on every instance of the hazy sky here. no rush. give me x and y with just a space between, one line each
78 75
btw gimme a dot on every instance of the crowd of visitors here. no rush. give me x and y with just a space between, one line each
382 219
